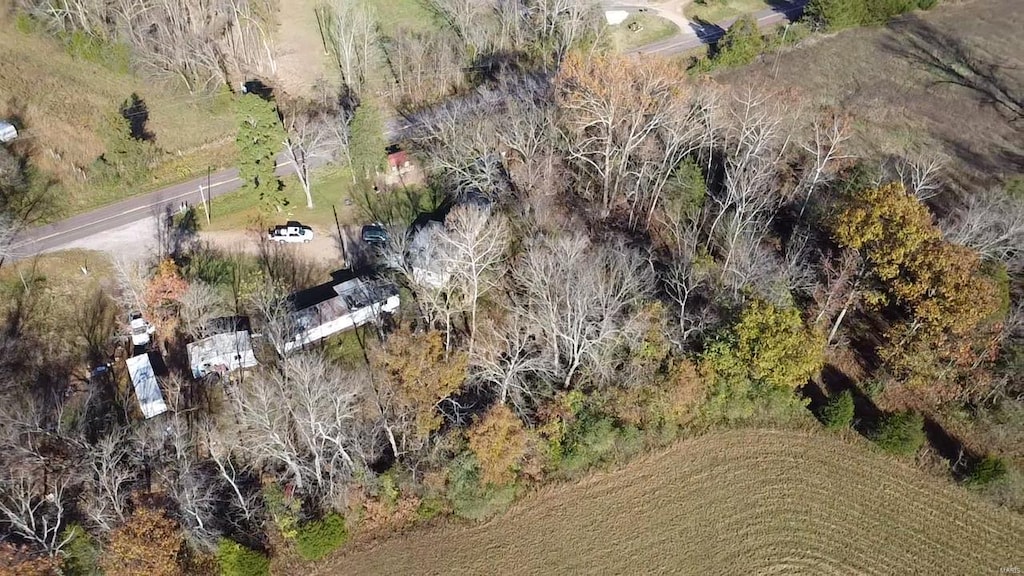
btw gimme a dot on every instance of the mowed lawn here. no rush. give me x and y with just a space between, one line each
330 188
715 11
739 502
650 29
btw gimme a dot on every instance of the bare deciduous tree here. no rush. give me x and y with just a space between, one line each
36 511
510 361
473 251
352 30
581 298
825 146
200 305
302 419
756 141
627 127
114 465
921 174
992 223
314 135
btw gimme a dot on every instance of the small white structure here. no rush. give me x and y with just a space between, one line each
7 131
147 391
616 17
355 302
221 353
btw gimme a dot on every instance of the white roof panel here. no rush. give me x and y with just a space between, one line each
151 401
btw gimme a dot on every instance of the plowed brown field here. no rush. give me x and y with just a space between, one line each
742 502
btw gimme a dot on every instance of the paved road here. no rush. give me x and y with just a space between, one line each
51 236
701 34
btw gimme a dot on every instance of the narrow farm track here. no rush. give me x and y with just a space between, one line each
753 501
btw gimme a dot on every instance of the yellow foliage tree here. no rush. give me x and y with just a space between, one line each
417 375
149 543
499 441
949 302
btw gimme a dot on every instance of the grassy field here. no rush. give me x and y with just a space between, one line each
652 29
741 502
61 101
894 83
717 10
408 14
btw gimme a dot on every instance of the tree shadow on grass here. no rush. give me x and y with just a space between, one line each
953 61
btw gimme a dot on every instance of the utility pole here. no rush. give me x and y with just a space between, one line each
341 238
202 197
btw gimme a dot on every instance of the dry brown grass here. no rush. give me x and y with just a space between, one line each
299 49
62 101
740 502
898 104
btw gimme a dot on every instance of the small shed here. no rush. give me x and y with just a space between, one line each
7 131
221 353
147 391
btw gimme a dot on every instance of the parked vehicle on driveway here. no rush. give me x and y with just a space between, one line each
291 232
374 234
140 329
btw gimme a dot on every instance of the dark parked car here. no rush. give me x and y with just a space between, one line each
374 234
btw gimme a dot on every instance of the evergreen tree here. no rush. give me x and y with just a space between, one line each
901 433
260 137
366 140
838 413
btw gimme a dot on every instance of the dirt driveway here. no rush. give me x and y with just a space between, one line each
326 248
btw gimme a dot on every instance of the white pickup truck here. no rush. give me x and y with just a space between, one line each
291 232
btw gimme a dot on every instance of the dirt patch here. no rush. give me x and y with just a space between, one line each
899 85
325 249
739 502
299 48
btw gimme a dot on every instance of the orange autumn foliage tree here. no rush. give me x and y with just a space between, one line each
149 543
499 442
163 294
626 125
948 302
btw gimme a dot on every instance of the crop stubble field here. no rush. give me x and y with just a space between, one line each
753 502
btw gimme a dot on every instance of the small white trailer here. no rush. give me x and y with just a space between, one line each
7 131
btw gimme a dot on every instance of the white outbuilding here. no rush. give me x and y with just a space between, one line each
7 131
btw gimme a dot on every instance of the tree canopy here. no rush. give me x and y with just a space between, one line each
260 137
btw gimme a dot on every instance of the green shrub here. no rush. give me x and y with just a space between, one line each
25 24
901 433
840 14
237 560
989 470
838 413
470 498
115 56
318 539
283 511
81 554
